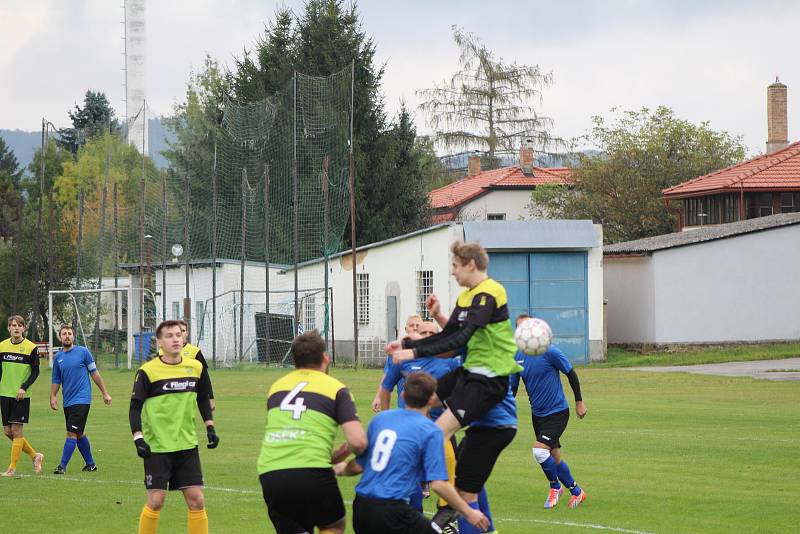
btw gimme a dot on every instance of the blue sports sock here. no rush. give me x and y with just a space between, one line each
86 450
550 469
463 525
566 477
69 448
483 504
415 500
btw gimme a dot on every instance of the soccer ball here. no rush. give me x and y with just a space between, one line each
533 336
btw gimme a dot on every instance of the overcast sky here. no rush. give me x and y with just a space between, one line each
709 61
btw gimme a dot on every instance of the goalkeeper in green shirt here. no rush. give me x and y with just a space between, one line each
165 392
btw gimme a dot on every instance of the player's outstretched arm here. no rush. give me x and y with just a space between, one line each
355 436
449 493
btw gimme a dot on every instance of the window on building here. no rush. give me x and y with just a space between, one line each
730 208
790 202
496 217
759 205
310 313
424 289
362 284
176 310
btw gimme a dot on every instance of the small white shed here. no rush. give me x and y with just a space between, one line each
713 284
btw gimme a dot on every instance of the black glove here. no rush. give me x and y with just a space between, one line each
142 448
213 439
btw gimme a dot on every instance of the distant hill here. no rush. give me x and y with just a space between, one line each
24 144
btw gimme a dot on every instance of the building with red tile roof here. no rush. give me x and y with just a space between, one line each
497 194
765 185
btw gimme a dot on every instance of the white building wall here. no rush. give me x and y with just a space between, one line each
743 288
595 300
628 285
513 203
392 270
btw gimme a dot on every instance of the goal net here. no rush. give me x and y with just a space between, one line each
104 322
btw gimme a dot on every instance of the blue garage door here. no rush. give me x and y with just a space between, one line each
550 285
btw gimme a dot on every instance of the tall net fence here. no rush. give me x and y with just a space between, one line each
215 237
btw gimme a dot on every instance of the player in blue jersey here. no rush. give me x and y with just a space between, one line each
394 376
72 367
405 449
550 414
383 397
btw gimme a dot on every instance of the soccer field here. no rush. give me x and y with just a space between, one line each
657 452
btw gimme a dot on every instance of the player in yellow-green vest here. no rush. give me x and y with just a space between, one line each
304 410
166 392
194 352
19 369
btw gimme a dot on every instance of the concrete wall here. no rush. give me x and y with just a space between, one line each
514 203
743 288
595 288
628 284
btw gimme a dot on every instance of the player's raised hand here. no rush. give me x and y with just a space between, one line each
477 519
403 355
433 305
580 409
393 346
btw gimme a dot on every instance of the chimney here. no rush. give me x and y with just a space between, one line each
474 164
777 127
526 158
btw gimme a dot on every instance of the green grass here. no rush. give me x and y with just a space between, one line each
620 357
657 453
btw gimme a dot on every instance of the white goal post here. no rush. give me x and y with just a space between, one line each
71 292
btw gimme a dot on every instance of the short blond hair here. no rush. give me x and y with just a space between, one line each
470 251
18 318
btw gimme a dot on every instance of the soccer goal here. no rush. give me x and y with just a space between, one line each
93 311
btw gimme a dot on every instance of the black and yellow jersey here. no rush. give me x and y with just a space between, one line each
17 363
304 409
193 352
480 324
163 403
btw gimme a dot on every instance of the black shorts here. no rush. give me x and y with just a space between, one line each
173 470
470 395
75 416
15 412
300 499
371 516
477 454
548 429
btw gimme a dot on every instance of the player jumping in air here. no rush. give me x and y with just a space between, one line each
550 414
479 324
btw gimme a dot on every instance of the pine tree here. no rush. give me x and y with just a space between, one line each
488 104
